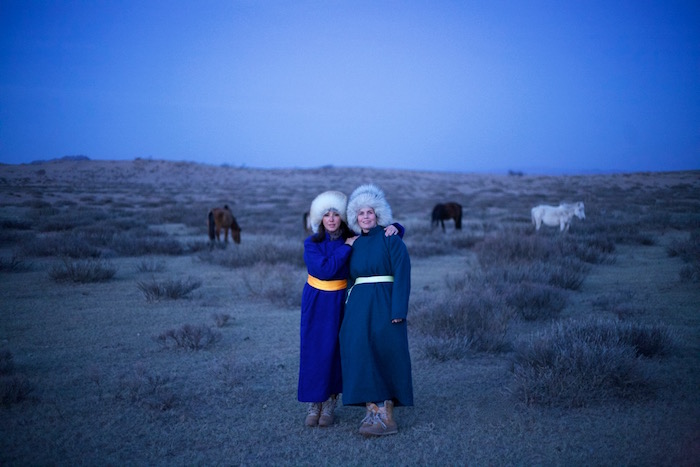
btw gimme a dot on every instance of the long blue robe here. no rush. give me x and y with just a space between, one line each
320 374
374 351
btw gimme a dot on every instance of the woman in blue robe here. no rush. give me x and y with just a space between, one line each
375 358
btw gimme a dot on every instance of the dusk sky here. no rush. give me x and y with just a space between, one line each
468 86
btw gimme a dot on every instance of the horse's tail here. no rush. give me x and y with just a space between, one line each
458 218
211 225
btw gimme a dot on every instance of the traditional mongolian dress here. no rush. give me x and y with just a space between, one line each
374 351
321 314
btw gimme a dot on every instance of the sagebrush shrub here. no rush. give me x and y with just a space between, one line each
598 249
15 224
14 389
535 301
689 251
280 284
444 349
172 289
221 319
145 389
476 319
7 364
690 273
14 264
620 303
150 265
82 271
190 337
263 249
233 373
576 364
422 242
515 246
70 244
145 242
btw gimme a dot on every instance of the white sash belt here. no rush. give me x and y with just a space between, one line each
369 280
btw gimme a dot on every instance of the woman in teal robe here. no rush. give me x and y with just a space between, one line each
375 358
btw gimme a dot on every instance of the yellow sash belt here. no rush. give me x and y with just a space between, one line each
328 286
369 280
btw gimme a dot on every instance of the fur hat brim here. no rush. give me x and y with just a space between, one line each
368 196
325 202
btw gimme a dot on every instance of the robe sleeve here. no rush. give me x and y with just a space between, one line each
323 261
401 267
400 228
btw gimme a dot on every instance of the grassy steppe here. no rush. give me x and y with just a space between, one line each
127 339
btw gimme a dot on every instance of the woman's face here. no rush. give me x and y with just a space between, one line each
331 221
366 218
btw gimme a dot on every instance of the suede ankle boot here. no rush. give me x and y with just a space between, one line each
370 415
327 411
313 414
381 422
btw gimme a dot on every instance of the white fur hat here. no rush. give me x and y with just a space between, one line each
372 196
325 202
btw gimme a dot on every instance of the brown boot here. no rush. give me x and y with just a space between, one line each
327 411
382 423
313 414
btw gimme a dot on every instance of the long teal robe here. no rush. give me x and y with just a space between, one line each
374 351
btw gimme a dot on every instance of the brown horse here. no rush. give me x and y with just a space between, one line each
222 218
441 212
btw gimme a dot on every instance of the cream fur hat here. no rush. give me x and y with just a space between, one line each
325 202
372 196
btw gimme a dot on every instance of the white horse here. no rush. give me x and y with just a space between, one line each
557 215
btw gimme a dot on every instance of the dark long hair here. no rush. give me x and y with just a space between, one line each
345 232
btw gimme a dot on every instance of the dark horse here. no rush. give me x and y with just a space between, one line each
307 222
222 218
447 211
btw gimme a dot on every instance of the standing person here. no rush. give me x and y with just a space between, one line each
374 351
326 256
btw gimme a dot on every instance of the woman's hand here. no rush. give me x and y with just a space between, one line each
396 321
390 230
349 241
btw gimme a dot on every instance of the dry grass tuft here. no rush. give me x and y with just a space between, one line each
279 284
576 364
150 265
264 249
171 289
14 264
14 388
689 251
472 317
145 389
189 337
82 271
221 319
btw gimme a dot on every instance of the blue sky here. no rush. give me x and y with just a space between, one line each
468 86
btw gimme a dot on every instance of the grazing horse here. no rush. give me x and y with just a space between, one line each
447 211
557 215
222 218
